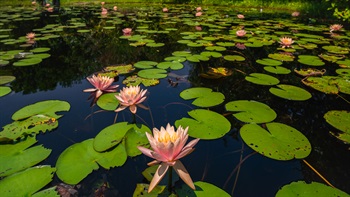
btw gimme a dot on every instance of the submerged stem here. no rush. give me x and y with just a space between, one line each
170 179
313 169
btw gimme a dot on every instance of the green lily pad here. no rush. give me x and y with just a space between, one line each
344 63
3 62
134 80
226 44
215 48
204 97
336 49
310 60
39 55
172 65
6 79
279 141
343 85
115 70
211 54
153 44
281 57
323 84
262 79
269 62
181 53
17 157
108 101
203 189
175 58
277 70
343 71
4 90
304 189
28 62
205 124
234 58
50 192
40 50
136 137
27 182
290 92
80 159
141 190
153 73
251 111
145 64
339 119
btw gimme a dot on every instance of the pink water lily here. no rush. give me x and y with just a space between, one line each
168 147
199 9
30 35
199 13
335 27
127 31
104 11
286 42
295 14
115 8
165 10
131 97
101 84
240 16
241 33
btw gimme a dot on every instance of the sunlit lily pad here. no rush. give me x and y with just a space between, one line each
108 101
234 58
279 141
6 79
324 84
175 58
153 73
203 189
80 159
251 111
205 124
310 72
269 62
216 73
172 65
135 80
120 69
290 92
344 63
50 192
3 62
262 79
340 119
181 53
336 49
145 64
27 182
303 189
4 90
28 62
204 97
281 57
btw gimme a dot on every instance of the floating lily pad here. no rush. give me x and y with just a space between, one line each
215 48
108 101
175 58
216 73
50 192
251 111
153 44
80 159
3 62
203 189
310 60
119 69
290 92
279 141
304 189
336 49
234 58
135 80
27 182
172 65
205 124
310 72
340 119
277 69
6 79
211 54
40 50
323 84
281 57
343 71
4 90
204 97
39 55
344 63
181 53
269 62
153 73
28 62
262 79
145 64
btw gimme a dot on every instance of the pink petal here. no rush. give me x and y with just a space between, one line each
142 106
90 90
133 109
146 151
159 157
183 174
160 173
121 108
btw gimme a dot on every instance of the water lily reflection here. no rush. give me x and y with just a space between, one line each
131 97
168 147
101 84
241 33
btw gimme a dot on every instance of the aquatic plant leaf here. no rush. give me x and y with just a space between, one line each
204 97
344 63
343 85
310 72
215 48
216 73
39 55
153 73
141 190
134 138
277 69
205 124
49 108
323 84
336 49
172 65
134 80
203 189
50 192
251 111
4 90
40 50
120 69
6 79
175 58
181 53
28 62
310 60
3 62
343 71
269 62
211 54
153 44
339 119
145 64
27 182
108 101
279 141
234 58
22 159
262 79
80 159
330 58
226 44
255 44
290 92
281 57
303 189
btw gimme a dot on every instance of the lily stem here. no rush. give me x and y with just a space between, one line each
170 179
133 118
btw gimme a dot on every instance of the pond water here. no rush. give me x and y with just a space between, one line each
81 41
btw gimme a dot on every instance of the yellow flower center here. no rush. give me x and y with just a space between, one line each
166 137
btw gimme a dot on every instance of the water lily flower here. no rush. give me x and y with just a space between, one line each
33 2
241 46
104 11
199 13
295 14
240 16
30 35
47 5
127 31
199 9
168 147
286 42
103 3
165 10
101 84
131 97
198 28
50 9
335 27
241 33
115 8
